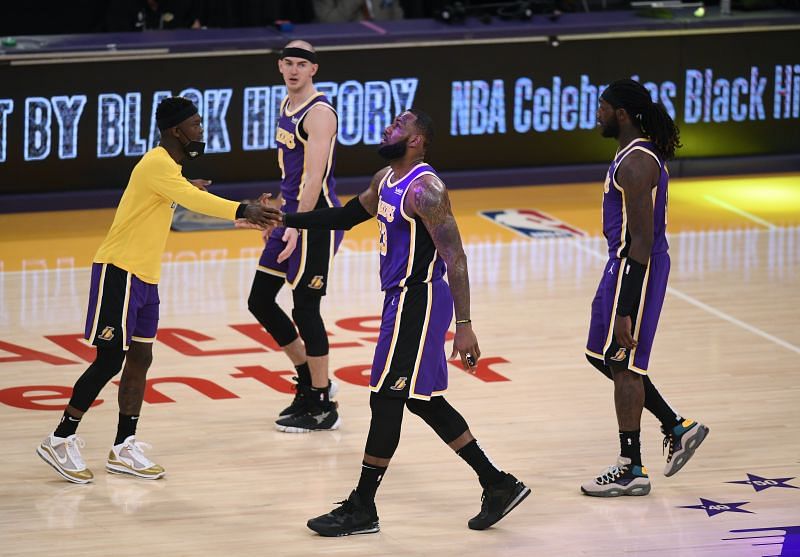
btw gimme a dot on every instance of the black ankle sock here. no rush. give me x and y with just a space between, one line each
659 407
488 473
303 374
629 446
668 425
67 426
126 427
653 401
319 398
369 482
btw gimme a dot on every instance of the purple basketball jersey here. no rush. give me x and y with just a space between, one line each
291 138
602 343
408 255
615 222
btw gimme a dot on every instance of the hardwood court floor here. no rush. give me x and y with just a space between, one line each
727 353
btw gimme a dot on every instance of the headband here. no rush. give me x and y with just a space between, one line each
295 52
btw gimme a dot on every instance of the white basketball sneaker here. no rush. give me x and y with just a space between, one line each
128 458
623 478
63 454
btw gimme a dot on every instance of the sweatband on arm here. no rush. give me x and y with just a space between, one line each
334 218
631 290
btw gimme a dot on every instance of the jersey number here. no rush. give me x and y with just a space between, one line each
382 240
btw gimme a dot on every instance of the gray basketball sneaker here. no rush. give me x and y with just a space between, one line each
621 479
682 441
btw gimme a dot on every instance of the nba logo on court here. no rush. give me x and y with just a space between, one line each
532 223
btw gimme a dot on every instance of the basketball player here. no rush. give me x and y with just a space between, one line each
123 299
628 302
419 242
306 139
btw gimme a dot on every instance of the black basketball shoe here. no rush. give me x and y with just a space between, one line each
352 517
499 500
299 404
315 418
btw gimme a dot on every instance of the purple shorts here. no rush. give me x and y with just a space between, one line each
121 308
309 265
602 344
410 360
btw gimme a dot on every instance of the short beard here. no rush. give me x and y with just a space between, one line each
611 129
393 151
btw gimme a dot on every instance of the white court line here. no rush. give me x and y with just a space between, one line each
730 319
705 307
740 212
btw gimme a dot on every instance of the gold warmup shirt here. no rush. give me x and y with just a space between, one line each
138 235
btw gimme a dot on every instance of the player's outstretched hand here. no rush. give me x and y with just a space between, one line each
262 217
267 200
245 224
465 344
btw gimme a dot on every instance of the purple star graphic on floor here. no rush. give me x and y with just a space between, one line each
713 507
760 484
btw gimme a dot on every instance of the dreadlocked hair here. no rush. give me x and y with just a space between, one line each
651 117
657 124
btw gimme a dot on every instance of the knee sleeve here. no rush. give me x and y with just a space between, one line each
443 418
306 314
262 305
105 366
384 428
600 365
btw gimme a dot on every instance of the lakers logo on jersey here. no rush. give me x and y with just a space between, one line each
386 210
620 355
400 384
106 334
285 138
316 282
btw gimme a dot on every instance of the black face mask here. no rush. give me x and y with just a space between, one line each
393 151
192 149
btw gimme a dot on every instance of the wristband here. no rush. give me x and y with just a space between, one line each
463 321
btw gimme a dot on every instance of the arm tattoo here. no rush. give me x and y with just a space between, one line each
432 205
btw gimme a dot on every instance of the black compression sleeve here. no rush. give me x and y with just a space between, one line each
334 218
630 291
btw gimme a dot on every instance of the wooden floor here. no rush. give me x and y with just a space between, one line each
727 354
